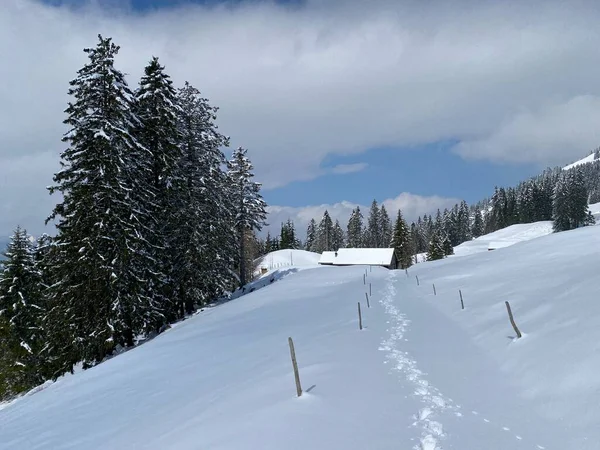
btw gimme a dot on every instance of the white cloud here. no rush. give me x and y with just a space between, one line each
412 207
554 133
298 83
341 169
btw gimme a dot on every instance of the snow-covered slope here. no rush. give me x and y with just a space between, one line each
423 374
509 235
289 258
588 159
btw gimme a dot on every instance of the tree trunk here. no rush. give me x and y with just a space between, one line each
242 257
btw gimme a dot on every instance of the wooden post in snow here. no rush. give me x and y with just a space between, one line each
512 321
434 292
364 279
406 270
417 279
367 297
359 317
370 268
370 293
462 304
295 365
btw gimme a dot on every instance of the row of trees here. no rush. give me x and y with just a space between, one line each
153 222
558 195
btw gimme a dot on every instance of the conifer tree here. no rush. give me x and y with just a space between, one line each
447 246
477 229
401 242
325 234
99 297
337 236
21 311
355 232
436 249
311 236
288 239
156 107
204 240
249 206
385 228
373 231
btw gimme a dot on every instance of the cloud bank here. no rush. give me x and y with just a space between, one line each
510 81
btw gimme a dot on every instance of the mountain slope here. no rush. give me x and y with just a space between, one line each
423 374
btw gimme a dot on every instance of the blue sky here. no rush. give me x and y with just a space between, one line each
416 104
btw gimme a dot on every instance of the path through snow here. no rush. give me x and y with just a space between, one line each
434 402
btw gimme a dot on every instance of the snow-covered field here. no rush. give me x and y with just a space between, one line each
508 236
289 258
423 374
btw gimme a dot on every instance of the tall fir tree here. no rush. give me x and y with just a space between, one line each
325 234
477 228
355 233
100 294
156 106
385 228
436 249
204 238
249 206
311 236
373 231
338 236
401 241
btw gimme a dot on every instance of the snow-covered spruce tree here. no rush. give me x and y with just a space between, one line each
288 239
401 241
325 234
99 297
311 236
247 202
436 249
21 312
477 228
203 240
373 231
355 232
578 198
447 246
338 236
158 131
385 228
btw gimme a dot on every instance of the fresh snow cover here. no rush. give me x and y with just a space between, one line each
505 237
364 256
327 258
288 258
423 374
588 159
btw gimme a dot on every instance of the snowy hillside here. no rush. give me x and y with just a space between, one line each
588 159
506 236
288 258
423 374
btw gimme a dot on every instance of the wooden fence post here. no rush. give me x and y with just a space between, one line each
295 365
364 279
462 304
406 271
434 292
359 317
370 292
417 279
367 297
512 321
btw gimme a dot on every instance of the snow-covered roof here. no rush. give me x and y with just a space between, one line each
500 244
327 258
367 256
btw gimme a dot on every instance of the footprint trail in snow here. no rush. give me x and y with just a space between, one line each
434 402
432 431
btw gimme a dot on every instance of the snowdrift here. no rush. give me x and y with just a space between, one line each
288 258
507 236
